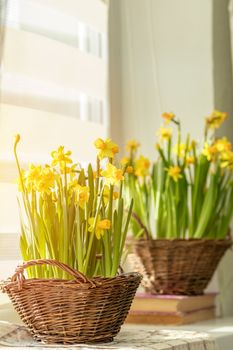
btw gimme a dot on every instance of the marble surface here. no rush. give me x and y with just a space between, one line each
13 336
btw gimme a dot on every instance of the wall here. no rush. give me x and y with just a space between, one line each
165 65
170 56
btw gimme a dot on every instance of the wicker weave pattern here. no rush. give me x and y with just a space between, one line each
178 266
72 311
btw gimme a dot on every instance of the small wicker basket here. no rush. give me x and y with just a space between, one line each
177 266
71 311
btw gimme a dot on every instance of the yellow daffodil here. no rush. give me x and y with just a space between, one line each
68 170
60 157
209 151
115 195
95 174
125 160
129 169
215 120
49 176
174 172
132 145
101 226
165 133
168 116
190 160
106 194
222 145
227 160
106 149
43 188
32 176
82 195
112 174
33 173
179 149
142 166
46 180
72 184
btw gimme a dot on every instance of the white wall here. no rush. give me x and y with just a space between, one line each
166 65
161 59
171 56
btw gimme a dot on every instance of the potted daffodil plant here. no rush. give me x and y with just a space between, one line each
74 223
183 206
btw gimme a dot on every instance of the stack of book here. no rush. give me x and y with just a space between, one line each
171 309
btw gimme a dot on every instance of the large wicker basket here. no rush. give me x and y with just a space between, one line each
71 311
177 266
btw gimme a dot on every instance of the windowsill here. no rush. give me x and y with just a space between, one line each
7 312
220 329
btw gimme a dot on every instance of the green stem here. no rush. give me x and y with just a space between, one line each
90 243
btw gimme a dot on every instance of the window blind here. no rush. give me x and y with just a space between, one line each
53 88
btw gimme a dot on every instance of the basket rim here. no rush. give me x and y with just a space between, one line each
227 240
99 281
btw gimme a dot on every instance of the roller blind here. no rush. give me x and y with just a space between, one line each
53 89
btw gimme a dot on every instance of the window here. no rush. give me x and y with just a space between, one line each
53 90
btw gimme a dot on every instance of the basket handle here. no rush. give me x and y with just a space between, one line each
20 278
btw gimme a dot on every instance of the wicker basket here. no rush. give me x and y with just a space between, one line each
71 311
177 266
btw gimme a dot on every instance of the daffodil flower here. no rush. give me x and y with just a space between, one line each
129 169
32 176
222 145
132 145
82 195
215 120
179 149
174 172
209 151
168 116
112 174
142 166
68 170
101 226
190 160
227 160
124 160
46 181
60 157
106 149
96 173
165 133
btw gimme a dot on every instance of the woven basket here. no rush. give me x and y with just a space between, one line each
71 311
177 266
